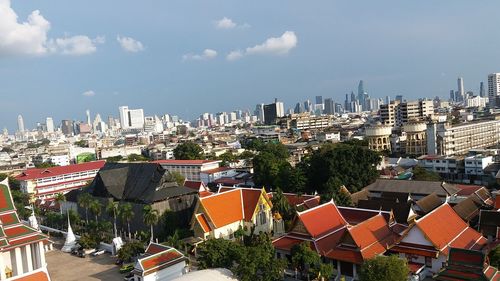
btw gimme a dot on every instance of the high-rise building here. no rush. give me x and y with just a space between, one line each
329 106
259 112
452 95
273 111
307 106
461 91
88 117
67 127
319 103
347 104
493 88
399 98
353 97
298 108
20 123
361 94
398 114
131 118
50 124
482 92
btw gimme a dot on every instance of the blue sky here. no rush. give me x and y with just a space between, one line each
416 48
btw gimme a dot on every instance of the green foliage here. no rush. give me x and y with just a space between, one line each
81 143
494 257
385 268
45 165
254 144
95 208
271 167
88 241
188 151
126 214
13 183
174 176
227 158
150 217
84 201
421 174
323 271
136 157
130 250
114 159
332 189
303 257
352 165
281 205
215 253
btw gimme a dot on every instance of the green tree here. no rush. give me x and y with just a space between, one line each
114 159
84 200
130 250
174 176
215 253
421 174
13 182
95 207
494 257
150 217
88 241
59 198
227 158
332 189
271 165
281 205
303 257
353 165
126 214
385 268
45 165
81 143
113 210
188 151
136 157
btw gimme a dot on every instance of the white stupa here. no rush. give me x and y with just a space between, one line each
32 219
70 239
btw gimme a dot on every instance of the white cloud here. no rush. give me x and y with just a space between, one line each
272 46
275 45
89 93
234 55
206 55
30 37
227 23
76 45
129 44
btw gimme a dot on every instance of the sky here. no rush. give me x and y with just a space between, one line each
185 57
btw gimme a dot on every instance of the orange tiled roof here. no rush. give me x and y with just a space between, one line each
154 248
223 208
202 220
250 201
443 227
322 219
161 259
37 276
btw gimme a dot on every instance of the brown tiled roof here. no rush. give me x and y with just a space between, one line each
429 203
467 209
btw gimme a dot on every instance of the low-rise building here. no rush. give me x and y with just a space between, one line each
159 263
46 182
190 169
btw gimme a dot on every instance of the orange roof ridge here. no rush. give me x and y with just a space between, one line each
215 194
435 210
317 207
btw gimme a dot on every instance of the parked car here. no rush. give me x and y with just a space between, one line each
98 253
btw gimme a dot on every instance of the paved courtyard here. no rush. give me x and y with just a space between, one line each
66 267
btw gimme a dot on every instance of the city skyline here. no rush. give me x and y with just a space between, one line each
234 56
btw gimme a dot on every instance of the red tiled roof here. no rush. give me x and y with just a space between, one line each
356 215
37 276
202 220
223 208
312 202
322 219
414 266
205 194
497 202
414 249
6 202
160 259
9 218
196 185
35 173
286 243
295 199
228 181
443 226
185 162
466 190
154 248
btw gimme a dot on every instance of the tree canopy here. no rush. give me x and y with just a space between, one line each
385 268
174 176
188 151
494 257
421 174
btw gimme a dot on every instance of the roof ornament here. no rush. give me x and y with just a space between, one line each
70 242
32 219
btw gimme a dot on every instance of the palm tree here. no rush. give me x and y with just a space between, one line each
127 214
84 201
112 210
60 197
95 207
150 217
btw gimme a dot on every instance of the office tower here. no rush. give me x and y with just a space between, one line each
347 104
273 111
452 95
298 108
50 124
366 99
461 91
67 127
361 94
481 89
259 112
111 122
353 97
493 88
399 98
387 99
398 114
319 101
307 106
131 118
329 106
20 123
88 116
338 108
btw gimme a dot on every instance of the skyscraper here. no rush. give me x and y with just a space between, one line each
452 95
361 93
493 88
298 108
88 116
461 91
329 106
67 127
482 92
259 112
131 118
319 103
50 124
20 123
347 104
273 111
307 106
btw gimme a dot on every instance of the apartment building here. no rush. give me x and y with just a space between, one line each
190 169
46 182
399 113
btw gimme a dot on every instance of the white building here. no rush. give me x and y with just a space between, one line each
131 118
190 169
476 101
50 124
493 87
474 165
